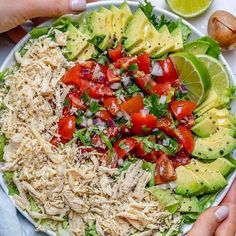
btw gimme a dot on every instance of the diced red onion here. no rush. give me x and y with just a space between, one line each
115 86
144 111
98 122
85 71
101 79
111 123
157 70
183 88
162 99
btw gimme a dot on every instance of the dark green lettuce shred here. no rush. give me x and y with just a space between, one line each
12 189
91 230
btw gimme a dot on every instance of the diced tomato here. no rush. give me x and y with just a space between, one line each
152 156
111 103
146 83
56 140
165 125
124 146
76 101
115 54
97 142
185 137
112 76
88 64
181 158
125 62
139 149
169 72
143 123
188 121
104 115
144 62
66 111
161 89
125 130
66 126
165 171
183 108
72 76
134 104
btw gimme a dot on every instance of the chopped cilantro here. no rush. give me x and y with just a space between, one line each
155 108
132 89
122 145
85 97
181 96
91 230
96 40
133 67
66 102
81 135
94 107
102 59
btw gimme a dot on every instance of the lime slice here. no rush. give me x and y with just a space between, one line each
218 74
193 75
189 8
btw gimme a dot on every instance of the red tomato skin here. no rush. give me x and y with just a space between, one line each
104 115
115 54
66 126
111 103
143 124
111 132
129 143
132 105
165 172
144 62
185 137
169 72
182 109
146 83
125 131
161 89
165 125
72 76
181 158
152 156
66 111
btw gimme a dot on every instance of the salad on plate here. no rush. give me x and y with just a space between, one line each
114 123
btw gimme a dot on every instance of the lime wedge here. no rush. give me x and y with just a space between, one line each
189 8
193 74
218 74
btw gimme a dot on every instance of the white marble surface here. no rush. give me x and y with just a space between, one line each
200 22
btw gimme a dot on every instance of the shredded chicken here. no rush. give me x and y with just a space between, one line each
63 183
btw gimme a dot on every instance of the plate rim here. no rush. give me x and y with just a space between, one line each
91 6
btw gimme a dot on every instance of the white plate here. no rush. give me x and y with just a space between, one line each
10 60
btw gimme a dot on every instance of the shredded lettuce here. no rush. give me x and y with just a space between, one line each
2 145
39 31
33 205
12 189
91 230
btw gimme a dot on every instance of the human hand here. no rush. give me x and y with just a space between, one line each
218 221
15 12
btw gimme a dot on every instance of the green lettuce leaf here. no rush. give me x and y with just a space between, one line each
91 230
12 189
2 145
39 31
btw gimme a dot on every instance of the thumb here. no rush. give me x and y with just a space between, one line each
17 12
52 8
208 221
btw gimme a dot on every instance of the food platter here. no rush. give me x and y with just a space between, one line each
10 60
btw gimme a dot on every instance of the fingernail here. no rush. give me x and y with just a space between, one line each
77 5
222 213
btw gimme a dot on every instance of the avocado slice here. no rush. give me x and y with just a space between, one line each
212 101
178 38
167 198
214 180
135 30
127 14
188 183
221 165
189 205
76 42
168 44
197 47
100 29
87 53
217 145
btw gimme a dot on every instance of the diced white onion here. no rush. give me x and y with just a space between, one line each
163 186
125 80
120 162
88 113
157 70
172 184
162 99
144 111
89 122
